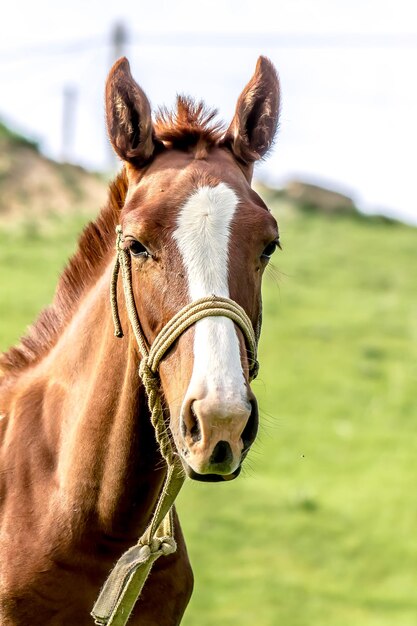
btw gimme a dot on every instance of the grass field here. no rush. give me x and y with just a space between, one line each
321 527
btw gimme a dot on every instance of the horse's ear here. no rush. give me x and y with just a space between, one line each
128 116
253 128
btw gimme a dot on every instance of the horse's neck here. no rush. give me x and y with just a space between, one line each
86 407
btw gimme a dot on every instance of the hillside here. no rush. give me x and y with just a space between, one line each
33 187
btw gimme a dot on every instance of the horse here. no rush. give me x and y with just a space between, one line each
81 470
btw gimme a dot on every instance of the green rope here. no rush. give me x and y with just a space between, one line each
125 582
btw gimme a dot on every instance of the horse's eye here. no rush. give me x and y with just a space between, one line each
270 249
136 248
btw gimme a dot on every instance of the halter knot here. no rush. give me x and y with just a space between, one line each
149 377
164 545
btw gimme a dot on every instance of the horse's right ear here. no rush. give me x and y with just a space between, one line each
128 116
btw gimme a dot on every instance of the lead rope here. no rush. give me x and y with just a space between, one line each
125 582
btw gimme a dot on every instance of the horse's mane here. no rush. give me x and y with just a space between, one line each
81 271
191 124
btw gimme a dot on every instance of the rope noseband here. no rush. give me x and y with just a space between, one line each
125 582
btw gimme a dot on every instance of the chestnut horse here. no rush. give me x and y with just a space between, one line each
80 470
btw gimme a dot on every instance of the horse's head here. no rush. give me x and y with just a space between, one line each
194 227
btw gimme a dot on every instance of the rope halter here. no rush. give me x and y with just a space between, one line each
124 584
190 314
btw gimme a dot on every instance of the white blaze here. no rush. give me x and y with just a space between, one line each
202 237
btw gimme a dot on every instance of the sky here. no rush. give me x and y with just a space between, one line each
347 69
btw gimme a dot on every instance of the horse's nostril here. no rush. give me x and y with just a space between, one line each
190 424
195 431
251 428
222 453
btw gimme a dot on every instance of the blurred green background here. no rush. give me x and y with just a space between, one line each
320 529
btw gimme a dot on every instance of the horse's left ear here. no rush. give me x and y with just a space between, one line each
252 131
128 116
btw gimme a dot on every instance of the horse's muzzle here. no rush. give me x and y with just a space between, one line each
216 437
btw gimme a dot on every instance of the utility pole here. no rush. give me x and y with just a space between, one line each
119 39
68 122
118 48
